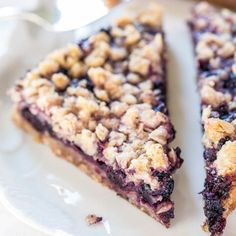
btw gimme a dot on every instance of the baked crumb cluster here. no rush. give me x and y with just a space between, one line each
93 219
214 36
216 55
109 91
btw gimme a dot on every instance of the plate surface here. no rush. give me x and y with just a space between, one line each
54 197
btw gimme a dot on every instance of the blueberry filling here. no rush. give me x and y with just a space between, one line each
171 133
117 177
144 192
151 196
210 154
157 198
35 121
160 175
89 85
159 85
74 83
223 112
222 142
63 71
213 211
166 216
147 28
161 107
230 85
85 45
216 190
204 65
167 188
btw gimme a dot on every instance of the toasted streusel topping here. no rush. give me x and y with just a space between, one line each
104 91
93 219
226 159
216 129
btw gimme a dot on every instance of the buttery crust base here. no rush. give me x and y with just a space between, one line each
78 160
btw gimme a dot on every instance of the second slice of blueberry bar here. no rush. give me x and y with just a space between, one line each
214 36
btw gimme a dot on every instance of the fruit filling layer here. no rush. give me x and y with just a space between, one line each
157 200
214 34
106 98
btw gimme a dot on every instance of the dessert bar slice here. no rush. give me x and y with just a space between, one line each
101 104
214 37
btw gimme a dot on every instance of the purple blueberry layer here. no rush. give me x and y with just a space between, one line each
216 189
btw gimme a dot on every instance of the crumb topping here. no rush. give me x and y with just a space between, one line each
210 96
93 219
107 92
60 80
216 129
226 159
151 17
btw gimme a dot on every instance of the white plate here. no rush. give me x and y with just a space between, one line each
54 197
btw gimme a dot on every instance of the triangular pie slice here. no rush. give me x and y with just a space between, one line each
214 36
101 105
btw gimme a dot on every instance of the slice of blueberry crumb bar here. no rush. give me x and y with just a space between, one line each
214 36
101 105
